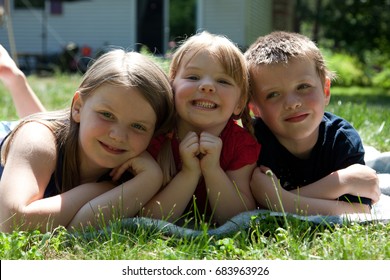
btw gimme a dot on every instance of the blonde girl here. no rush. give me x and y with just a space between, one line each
208 159
57 167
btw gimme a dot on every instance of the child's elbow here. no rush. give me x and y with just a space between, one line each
10 218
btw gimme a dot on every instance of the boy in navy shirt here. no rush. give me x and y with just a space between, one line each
317 157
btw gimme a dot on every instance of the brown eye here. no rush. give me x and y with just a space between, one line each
272 95
107 115
303 86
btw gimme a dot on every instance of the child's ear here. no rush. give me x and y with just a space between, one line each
238 110
327 90
239 107
77 103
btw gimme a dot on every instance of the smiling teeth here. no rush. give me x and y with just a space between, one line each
203 104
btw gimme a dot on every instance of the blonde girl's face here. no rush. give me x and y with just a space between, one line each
291 100
116 124
205 95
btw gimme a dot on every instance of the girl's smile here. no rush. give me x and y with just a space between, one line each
206 97
204 104
116 124
112 149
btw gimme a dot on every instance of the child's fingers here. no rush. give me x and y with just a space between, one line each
117 172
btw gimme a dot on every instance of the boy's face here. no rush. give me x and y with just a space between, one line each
291 100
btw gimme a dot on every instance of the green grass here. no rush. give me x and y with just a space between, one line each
368 110
272 238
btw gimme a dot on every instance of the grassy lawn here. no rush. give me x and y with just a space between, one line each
367 109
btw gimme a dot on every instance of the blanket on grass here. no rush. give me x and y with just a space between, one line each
380 211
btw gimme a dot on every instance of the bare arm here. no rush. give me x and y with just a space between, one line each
125 200
24 98
277 199
228 192
358 180
170 202
29 166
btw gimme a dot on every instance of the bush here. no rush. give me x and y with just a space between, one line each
371 70
348 69
382 78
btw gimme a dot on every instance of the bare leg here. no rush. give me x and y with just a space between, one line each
24 98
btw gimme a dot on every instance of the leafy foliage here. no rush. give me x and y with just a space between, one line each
357 31
353 26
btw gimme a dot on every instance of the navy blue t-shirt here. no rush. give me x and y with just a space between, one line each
338 146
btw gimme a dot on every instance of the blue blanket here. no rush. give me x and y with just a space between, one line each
380 211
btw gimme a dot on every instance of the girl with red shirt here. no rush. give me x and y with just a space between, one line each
208 159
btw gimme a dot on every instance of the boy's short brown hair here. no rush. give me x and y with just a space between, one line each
281 46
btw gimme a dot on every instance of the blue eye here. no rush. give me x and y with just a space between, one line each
138 126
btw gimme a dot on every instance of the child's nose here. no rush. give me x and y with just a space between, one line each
118 134
207 87
293 101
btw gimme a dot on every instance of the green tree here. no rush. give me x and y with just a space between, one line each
358 25
353 26
182 21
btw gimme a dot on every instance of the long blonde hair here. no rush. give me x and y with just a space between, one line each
231 59
116 67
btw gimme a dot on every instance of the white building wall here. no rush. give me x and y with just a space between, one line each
222 17
258 19
240 20
93 22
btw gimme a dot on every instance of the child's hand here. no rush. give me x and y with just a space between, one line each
360 180
210 147
8 67
143 162
189 152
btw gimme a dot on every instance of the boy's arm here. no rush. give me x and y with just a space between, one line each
269 194
357 180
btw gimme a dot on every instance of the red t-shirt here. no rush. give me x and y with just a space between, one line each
239 148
